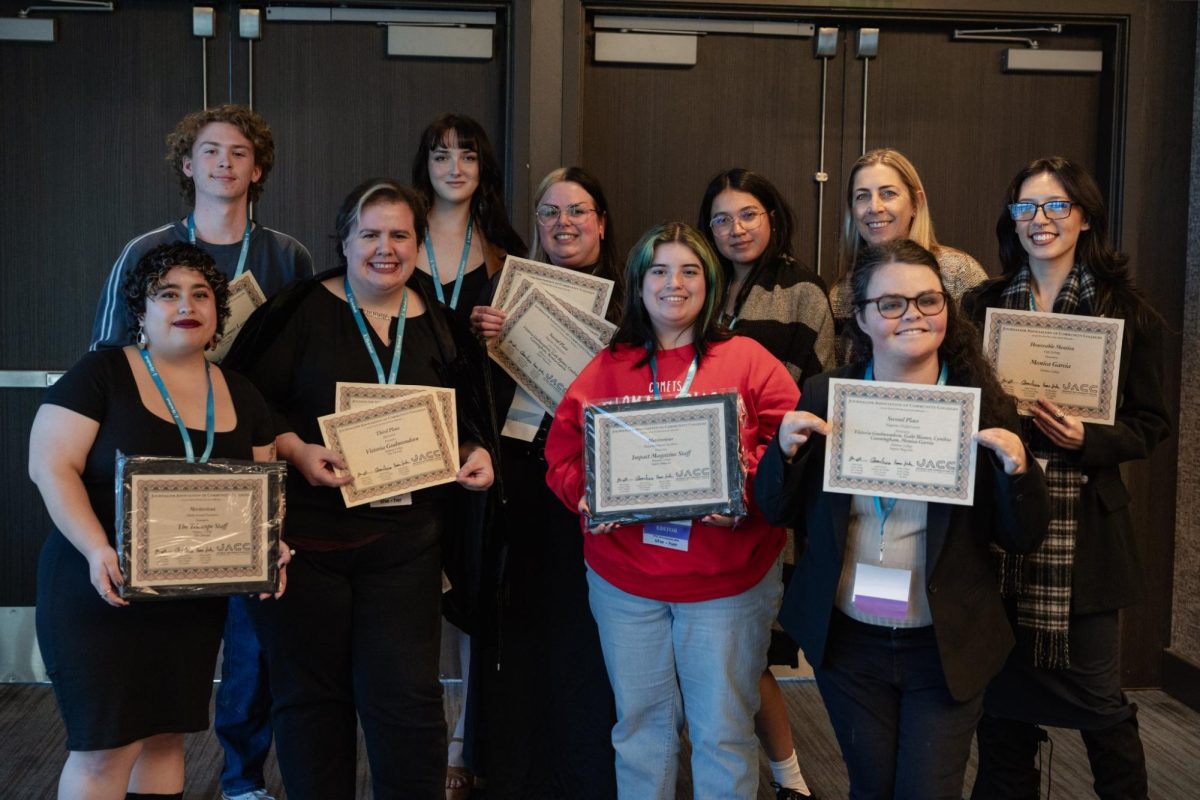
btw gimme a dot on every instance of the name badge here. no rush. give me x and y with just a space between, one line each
881 591
394 502
671 535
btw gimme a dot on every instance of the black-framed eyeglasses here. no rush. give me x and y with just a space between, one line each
894 306
1053 209
751 218
548 215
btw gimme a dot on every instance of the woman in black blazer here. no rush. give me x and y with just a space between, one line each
903 692
1056 256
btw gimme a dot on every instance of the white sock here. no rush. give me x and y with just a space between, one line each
787 773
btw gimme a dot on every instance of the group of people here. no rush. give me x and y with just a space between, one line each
586 651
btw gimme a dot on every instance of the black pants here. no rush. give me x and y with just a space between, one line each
1086 696
358 631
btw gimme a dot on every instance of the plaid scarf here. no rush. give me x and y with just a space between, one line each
1041 581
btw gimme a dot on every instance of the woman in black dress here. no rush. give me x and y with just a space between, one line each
132 678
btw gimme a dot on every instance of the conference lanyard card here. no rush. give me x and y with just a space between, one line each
881 591
671 535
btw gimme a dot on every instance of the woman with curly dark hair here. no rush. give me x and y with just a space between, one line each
904 690
131 679
1057 257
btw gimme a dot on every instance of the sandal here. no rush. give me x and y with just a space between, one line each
459 783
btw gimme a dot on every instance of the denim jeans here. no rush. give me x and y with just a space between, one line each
242 719
902 734
699 662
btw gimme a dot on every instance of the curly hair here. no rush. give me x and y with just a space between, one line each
636 328
487 203
368 193
146 278
960 349
181 141
609 265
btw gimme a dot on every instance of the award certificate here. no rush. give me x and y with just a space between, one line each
352 396
245 295
392 448
905 440
186 530
543 347
579 289
1070 360
663 459
600 327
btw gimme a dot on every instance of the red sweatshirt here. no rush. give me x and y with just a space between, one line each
720 561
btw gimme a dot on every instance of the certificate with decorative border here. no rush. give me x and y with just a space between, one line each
663 459
573 287
543 346
1071 360
600 327
350 396
245 295
392 448
188 530
912 441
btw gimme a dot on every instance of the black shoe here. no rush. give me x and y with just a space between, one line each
784 793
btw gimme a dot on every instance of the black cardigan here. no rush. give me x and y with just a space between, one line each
969 622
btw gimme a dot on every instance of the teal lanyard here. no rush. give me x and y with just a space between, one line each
1032 304
462 266
366 336
687 382
209 424
245 243
883 508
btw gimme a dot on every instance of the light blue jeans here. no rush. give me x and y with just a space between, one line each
699 662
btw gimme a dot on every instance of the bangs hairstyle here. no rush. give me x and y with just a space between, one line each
960 348
783 221
487 203
181 141
636 328
146 279
921 231
368 193
608 266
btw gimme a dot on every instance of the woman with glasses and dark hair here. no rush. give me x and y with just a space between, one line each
885 201
684 629
1057 257
551 713
903 689
781 304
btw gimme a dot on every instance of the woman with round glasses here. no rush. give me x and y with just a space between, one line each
1057 257
777 301
552 710
903 685
885 201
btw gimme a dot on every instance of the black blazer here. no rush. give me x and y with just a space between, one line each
1107 571
969 622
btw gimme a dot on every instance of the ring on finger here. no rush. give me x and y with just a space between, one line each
1061 417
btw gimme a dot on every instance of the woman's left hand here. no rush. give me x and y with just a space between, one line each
476 474
285 557
1064 430
1008 446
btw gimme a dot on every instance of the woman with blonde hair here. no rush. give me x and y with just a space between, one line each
885 201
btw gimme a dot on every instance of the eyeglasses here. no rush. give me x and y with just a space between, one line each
751 218
894 306
547 215
1053 209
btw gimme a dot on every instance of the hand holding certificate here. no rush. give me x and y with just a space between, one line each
395 446
1068 359
903 440
196 529
663 459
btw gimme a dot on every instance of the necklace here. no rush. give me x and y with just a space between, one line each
377 314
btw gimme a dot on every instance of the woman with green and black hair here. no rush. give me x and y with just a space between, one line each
684 630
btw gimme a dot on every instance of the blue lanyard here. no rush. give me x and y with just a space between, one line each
362 328
462 266
883 509
687 382
209 424
245 243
